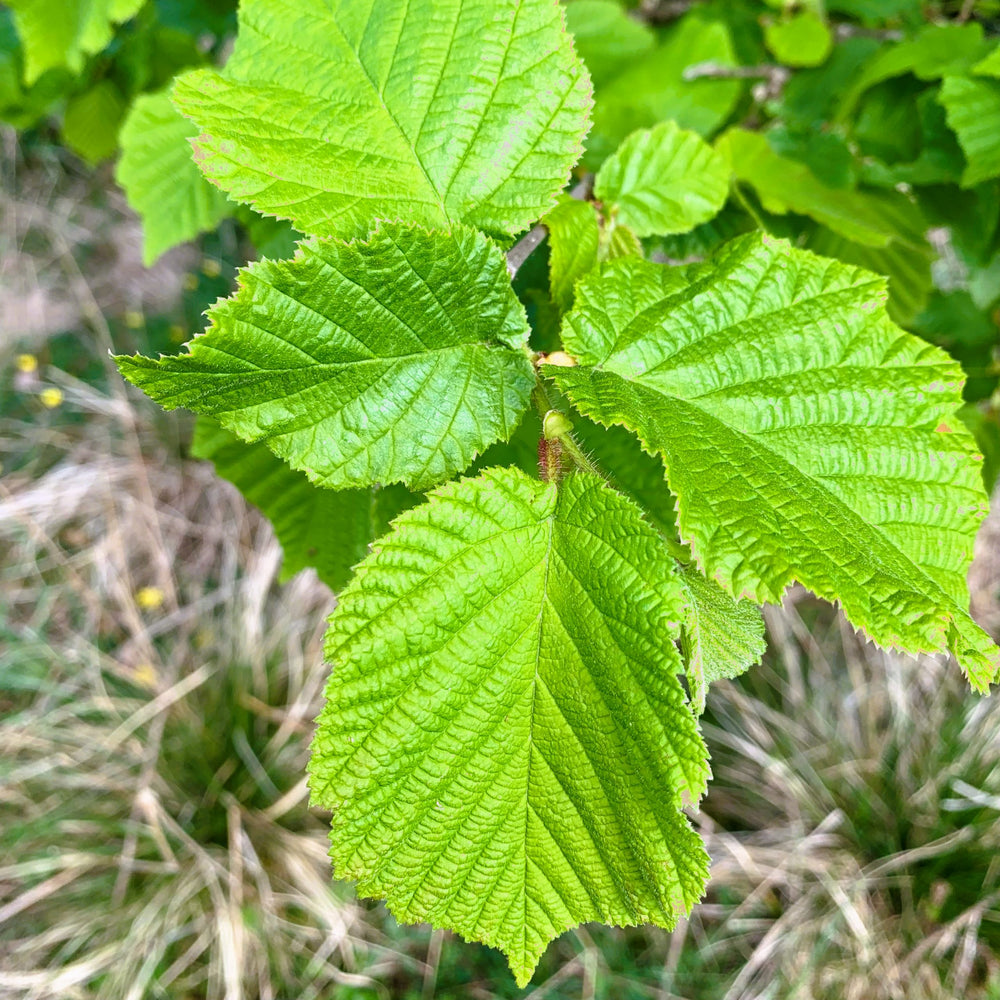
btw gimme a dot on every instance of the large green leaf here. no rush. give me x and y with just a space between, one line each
62 33
973 110
654 88
806 437
516 764
722 637
162 181
332 113
329 530
663 180
396 358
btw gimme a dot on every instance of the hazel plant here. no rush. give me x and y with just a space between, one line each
533 547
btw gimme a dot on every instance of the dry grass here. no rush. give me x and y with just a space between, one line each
156 836
151 792
864 789
70 248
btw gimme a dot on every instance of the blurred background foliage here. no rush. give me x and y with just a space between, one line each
158 680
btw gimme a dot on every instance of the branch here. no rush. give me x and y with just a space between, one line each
845 31
662 11
719 71
526 245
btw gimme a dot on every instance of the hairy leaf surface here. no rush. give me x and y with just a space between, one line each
806 437
506 746
722 637
329 530
663 180
393 359
332 113
161 180
990 66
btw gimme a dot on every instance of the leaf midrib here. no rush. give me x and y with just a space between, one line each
334 366
381 99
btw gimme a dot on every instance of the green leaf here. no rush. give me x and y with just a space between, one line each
812 96
663 180
11 57
807 438
906 260
722 637
149 56
198 17
972 107
607 39
940 159
970 334
396 358
520 450
826 154
91 122
990 66
878 11
332 113
654 89
574 238
630 470
705 239
329 530
886 122
971 216
984 283
618 240
906 265
788 186
161 181
272 238
800 40
937 50
517 764
62 33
